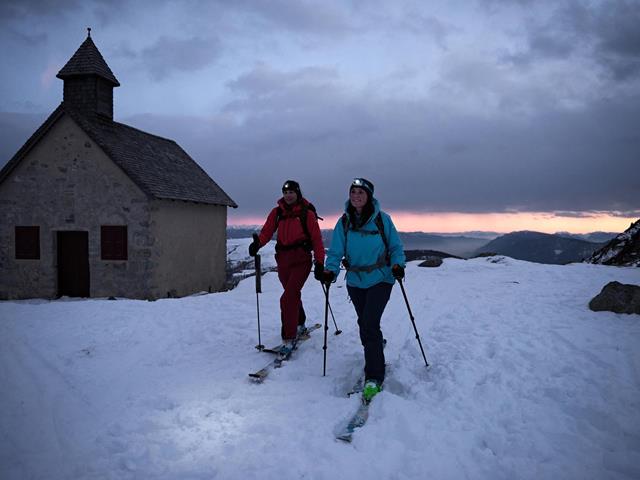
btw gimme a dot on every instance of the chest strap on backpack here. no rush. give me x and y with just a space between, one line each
304 244
383 260
367 268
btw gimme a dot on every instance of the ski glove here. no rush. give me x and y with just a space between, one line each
255 246
397 271
327 277
318 271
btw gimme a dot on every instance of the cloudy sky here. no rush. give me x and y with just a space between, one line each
466 115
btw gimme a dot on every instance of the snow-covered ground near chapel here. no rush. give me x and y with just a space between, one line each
525 382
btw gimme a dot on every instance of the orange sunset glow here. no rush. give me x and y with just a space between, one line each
451 222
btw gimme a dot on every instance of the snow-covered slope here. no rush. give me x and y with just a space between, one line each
525 382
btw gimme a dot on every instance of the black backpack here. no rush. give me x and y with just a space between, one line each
306 243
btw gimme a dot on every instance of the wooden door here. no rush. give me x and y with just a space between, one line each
73 264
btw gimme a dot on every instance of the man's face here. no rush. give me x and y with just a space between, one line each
290 197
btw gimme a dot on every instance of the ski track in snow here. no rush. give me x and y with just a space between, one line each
525 382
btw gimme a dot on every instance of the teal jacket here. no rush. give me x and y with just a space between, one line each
365 250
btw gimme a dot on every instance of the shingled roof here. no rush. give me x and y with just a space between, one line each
88 61
157 165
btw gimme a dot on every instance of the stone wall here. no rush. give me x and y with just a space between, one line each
66 182
190 251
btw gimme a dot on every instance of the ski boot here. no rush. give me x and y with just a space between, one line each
287 347
301 332
371 389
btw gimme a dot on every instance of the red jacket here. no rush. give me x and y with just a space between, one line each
290 229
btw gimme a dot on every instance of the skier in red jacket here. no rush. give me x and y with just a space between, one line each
298 235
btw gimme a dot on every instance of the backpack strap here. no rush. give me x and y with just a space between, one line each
278 216
306 243
380 225
303 219
345 230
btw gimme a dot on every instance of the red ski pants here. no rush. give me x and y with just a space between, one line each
293 269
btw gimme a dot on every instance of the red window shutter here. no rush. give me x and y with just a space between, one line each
28 243
113 242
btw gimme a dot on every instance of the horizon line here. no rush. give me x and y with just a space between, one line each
447 223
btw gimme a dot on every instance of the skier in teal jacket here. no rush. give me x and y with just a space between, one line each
366 241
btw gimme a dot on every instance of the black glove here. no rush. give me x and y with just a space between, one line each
397 271
327 277
255 246
318 271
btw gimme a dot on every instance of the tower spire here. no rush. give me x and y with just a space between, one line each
88 80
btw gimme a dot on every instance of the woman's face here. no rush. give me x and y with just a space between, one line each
290 197
358 197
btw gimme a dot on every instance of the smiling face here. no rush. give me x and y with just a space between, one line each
358 198
290 197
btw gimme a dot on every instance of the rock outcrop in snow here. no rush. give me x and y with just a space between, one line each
623 250
617 297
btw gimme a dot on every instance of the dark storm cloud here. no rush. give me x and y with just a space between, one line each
605 32
19 9
297 16
169 55
618 38
16 11
15 129
421 156
30 39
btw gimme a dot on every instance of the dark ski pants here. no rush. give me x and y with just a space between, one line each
369 304
294 267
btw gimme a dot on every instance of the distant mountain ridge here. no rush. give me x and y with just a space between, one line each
532 246
595 237
541 247
623 250
456 245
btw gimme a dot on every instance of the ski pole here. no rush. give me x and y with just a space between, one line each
326 328
337 332
259 346
413 321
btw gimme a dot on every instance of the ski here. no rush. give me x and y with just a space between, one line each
358 419
277 362
304 336
357 387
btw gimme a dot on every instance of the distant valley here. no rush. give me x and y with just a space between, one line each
559 248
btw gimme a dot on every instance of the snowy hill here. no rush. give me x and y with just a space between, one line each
623 250
525 382
540 247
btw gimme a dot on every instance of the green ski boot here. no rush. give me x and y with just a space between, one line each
371 389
